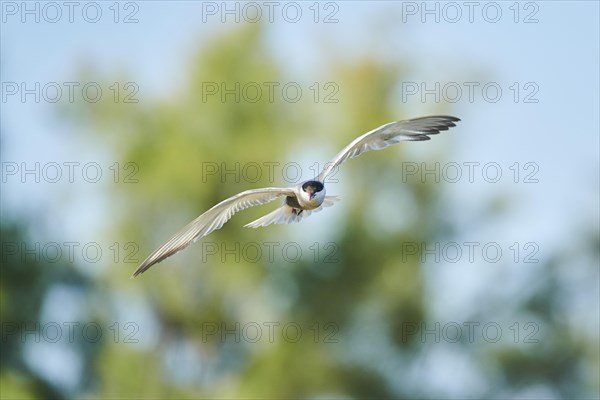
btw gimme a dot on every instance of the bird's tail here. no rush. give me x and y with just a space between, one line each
328 202
286 215
282 215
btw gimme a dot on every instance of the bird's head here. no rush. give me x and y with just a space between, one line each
313 189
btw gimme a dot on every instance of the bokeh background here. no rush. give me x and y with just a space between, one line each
462 267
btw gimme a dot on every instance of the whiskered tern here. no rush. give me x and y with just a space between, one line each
301 200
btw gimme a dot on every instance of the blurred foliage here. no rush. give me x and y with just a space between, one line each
367 297
25 283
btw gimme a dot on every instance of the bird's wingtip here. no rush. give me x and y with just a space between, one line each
141 269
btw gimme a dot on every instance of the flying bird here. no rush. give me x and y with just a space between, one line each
301 200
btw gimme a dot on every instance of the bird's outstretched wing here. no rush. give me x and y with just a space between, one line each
389 134
212 220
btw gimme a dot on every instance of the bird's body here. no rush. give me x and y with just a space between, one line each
301 200
310 197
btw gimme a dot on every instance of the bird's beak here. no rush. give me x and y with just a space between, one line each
311 195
